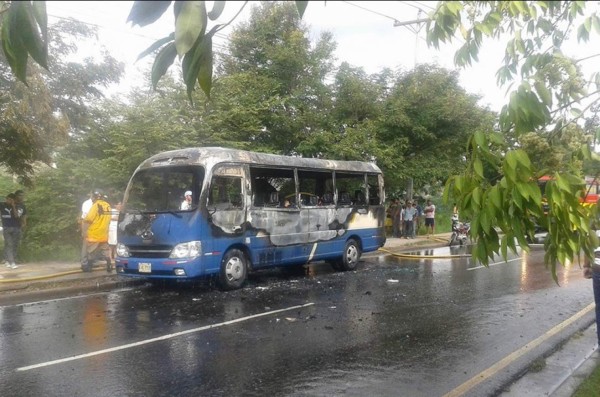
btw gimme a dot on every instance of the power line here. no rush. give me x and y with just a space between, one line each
396 22
371 11
424 5
219 35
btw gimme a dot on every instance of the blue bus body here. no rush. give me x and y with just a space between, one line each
249 211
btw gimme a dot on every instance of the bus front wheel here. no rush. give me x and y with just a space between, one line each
233 270
351 255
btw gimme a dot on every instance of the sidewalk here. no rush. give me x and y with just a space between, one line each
563 371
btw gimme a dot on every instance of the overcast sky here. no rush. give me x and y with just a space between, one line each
364 31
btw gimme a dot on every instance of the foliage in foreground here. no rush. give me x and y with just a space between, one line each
548 94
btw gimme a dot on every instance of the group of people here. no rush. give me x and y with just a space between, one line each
98 222
407 218
14 221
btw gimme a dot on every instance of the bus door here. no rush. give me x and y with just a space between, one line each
226 204
278 228
318 206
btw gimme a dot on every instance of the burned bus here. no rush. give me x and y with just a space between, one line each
248 211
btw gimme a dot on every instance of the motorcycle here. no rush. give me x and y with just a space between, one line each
460 231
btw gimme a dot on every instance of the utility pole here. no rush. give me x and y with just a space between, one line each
419 22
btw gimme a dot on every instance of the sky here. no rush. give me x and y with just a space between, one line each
364 31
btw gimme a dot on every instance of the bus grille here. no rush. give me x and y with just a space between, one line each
150 251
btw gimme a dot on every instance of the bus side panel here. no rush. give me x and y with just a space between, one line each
278 236
330 228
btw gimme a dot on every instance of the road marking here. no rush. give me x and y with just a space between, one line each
67 298
160 338
488 373
495 263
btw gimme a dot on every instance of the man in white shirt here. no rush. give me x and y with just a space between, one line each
187 203
85 208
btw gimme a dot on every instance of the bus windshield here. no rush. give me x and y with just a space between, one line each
164 189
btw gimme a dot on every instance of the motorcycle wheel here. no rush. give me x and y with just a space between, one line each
452 239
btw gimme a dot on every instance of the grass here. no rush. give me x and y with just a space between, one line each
590 386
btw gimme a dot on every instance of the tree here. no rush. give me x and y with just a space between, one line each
105 157
429 111
37 118
272 93
547 89
24 35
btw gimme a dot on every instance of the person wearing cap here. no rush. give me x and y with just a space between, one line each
186 204
96 242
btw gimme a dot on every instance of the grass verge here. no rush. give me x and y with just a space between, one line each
591 386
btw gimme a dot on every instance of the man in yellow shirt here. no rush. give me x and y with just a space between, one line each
96 242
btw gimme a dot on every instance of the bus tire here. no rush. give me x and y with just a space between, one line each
351 255
234 269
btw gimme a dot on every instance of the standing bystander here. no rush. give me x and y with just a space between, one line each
96 242
429 217
394 211
409 215
112 229
419 217
83 226
14 220
592 270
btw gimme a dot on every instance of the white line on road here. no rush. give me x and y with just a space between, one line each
68 297
160 338
495 263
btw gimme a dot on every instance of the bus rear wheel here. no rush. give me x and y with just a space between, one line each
351 255
234 269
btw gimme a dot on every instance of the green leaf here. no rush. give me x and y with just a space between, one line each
495 197
41 17
511 160
206 66
190 24
15 51
522 159
163 60
197 65
478 167
301 6
146 12
479 139
543 93
156 45
596 23
454 7
217 10
588 24
30 35
582 33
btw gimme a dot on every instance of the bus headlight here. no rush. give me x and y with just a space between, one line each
122 250
190 249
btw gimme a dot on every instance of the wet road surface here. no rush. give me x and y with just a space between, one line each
397 326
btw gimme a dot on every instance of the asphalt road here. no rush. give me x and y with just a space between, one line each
397 326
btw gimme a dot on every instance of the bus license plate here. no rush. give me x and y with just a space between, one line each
145 267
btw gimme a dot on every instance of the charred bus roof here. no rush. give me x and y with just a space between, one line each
209 156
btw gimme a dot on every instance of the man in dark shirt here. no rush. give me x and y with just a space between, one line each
14 216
